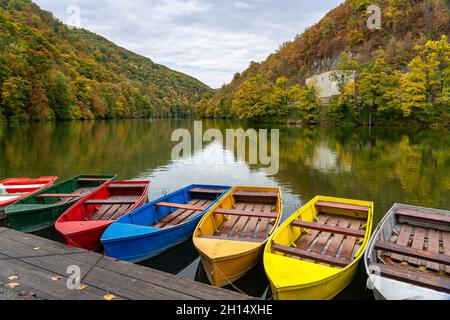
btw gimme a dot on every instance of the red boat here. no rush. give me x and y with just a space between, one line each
83 224
15 189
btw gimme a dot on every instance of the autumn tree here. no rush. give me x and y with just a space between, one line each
309 104
38 105
282 99
202 105
251 100
397 13
15 93
378 88
344 71
60 96
425 88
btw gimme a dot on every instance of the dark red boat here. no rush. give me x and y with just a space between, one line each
84 223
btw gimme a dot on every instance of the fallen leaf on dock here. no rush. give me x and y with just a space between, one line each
83 286
109 297
13 277
56 278
13 285
36 248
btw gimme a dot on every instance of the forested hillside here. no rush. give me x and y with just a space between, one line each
50 71
403 69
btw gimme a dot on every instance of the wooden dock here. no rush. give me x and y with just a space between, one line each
35 267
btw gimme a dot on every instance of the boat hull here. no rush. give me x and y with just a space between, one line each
222 272
89 240
36 220
325 290
76 228
132 237
33 214
385 288
25 187
227 259
138 249
303 279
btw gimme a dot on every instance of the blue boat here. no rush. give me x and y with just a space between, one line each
160 225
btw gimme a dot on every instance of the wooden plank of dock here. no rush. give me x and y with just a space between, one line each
40 266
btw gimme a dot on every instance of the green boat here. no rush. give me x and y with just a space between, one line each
40 210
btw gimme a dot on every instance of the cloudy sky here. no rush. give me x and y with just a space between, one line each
208 39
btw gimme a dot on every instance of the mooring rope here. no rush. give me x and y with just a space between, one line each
229 282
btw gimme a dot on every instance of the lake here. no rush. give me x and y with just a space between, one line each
384 165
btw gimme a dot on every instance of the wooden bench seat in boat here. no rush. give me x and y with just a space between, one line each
255 194
127 186
249 220
332 236
111 208
311 256
343 206
432 217
424 218
60 195
180 206
241 213
414 277
110 212
19 187
414 253
184 212
110 201
324 228
207 191
93 179
13 195
232 239
414 245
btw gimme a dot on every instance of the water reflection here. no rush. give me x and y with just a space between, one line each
386 165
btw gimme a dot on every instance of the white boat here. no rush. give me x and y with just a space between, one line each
408 257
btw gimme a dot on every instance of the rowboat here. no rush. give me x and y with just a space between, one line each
408 257
40 210
14 189
231 236
83 224
314 255
161 224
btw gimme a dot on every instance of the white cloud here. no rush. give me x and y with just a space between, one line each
208 39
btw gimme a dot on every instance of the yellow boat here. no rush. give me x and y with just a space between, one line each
231 236
314 255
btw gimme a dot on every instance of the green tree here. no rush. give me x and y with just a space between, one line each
15 93
344 72
397 13
309 104
202 105
283 99
251 100
425 92
59 95
378 88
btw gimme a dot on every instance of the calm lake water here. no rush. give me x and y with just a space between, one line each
386 165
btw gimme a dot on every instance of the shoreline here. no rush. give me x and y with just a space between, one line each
290 123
